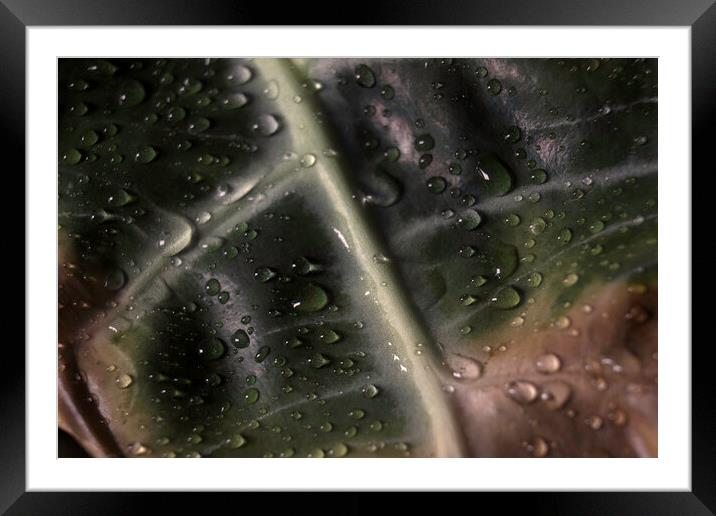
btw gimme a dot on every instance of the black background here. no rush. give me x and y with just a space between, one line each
15 15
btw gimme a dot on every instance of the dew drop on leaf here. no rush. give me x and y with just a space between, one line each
548 363
364 76
496 176
506 298
436 185
145 155
424 142
522 391
266 125
310 298
240 339
469 220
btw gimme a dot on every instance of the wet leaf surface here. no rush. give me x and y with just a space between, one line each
340 257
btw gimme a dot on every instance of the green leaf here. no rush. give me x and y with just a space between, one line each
339 257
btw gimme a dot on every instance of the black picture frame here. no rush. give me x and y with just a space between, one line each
17 15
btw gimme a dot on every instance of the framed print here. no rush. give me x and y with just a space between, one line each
428 246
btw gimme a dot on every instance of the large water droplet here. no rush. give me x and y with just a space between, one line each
212 348
240 339
506 298
522 391
436 185
310 298
145 155
548 363
464 368
424 143
131 93
469 220
364 76
266 125
496 176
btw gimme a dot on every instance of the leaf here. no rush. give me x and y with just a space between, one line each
337 257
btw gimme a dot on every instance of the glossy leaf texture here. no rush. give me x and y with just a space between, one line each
358 257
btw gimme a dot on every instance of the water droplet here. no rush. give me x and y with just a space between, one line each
391 154
563 322
71 157
387 92
570 279
464 368
145 155
539 447
370 391
555 395
436 185
538 176
89 138
513 134
311 298
478 281
318 360
538 225
212 287
469 220
124 381
264 274
303 266
533 279
240 339
131 93
261 354
251 396
266 125
512 220
241 74
548 363
424 161
338 450
364 76
308 160
236 441
233 101
596 226
564 236
115 279
522 391
329 336
424 142
119 199
495 174
494 86
198 125
212 349
506 298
